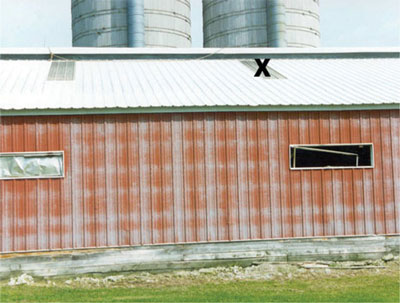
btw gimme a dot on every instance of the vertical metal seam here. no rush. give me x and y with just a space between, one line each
194 179
105 174
71 187
331 177
150 122
95 200
383 174
139 183
280 175
258 175
393 174
363 180
83 183
226 178
311 183
322 181
25 191
60 147
205 172
352 178
172 179
290 177
301 183
373 179
269 174
215 173
183 175
118 215
13 197
237 175
162 183
247 173
342 181
127 122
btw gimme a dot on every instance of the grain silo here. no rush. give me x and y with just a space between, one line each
134 23
260 23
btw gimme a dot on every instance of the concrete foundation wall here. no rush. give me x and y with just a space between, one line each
189 256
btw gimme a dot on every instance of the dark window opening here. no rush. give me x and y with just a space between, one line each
331 156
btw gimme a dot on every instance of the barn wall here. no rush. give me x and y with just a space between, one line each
168 178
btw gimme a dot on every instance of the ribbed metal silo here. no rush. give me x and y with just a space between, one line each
235 23
302 23
135 23
99 23
261 23
167 23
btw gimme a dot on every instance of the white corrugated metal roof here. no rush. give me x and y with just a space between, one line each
167 83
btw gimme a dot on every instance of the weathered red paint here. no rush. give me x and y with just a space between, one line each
175 178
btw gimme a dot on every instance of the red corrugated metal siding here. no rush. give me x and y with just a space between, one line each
169 178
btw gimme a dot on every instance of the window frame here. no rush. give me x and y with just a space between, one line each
33 154
332 167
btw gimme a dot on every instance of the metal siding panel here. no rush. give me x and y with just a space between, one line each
221 172
358 195
19 188
316 179
212 219
66 184
54 188
111 181
43 190
31 189
89 190
100 171
253 175
211 176
395 131
387 166
243 194
368 183
232 178
275 190
327 180
134 178
188 178
306 182
295 180
265 207
286 203
123 181
378 173
347 178
145 179
156 179
337 179
200 176
167 177
77 181
179 195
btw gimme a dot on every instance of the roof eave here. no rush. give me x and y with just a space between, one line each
144 110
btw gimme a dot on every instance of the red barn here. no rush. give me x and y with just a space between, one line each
119 148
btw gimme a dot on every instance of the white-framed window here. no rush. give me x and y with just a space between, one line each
331 156
31 165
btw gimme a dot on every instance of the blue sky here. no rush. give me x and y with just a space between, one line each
344 23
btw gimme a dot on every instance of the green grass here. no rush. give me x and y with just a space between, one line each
372 288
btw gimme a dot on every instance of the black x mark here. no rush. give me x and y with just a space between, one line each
262 68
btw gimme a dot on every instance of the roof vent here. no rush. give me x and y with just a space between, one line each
253 66
61 71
